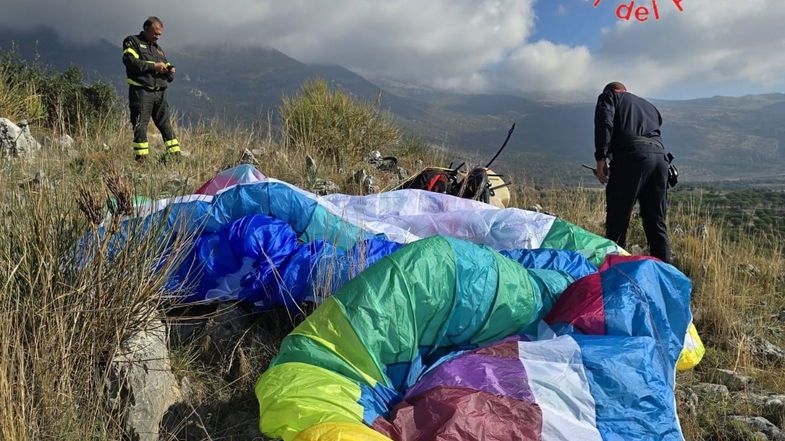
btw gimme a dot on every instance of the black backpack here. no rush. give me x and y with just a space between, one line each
439 180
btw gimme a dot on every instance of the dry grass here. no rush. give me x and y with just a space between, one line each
60 322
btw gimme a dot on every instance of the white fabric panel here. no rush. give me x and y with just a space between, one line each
561 389
422 214
408 215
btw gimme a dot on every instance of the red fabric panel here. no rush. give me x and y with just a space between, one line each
581 305
459 414
216 184
503 349
613 259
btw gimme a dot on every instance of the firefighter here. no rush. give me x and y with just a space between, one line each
627 130
148 74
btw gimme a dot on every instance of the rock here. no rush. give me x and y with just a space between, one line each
637 250
63 142
369 185
38 181
310 164
179 182
389 164
374 157
689 398
324 186
769 351
535 207
760 424
248 157
16 140
185 153
402 173
751 399
142 382
775 405
749 269
228 321
732 379
280 156
359 176
711 389
418 163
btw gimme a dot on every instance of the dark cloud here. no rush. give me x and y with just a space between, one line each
468 45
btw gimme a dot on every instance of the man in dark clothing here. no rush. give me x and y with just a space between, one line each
627 131
148 74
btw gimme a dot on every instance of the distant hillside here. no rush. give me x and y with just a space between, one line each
714 139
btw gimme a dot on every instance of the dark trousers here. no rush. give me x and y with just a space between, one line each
639 177
145 104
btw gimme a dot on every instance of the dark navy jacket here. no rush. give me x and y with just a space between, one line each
621 119
139 58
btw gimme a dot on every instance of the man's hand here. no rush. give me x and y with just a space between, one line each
602 171
171 70
160 67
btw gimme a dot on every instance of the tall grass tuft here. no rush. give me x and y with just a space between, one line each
67 302
334 125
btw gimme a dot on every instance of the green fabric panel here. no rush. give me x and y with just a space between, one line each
476 282
402 301
566 236
516 305
328 340
331 228
548 285
295 396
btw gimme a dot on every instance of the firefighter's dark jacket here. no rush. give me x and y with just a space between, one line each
139 58
621 121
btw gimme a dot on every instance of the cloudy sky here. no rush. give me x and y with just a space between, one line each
566 48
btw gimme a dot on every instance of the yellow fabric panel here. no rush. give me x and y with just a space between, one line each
295 396
329 327
693 350
340 432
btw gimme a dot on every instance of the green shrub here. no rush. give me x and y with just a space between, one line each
60 100
334 125
19 98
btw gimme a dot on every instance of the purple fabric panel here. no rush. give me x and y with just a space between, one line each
495 375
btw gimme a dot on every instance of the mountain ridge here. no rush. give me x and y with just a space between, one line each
713 138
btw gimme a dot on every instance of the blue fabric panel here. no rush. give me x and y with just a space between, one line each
326 226
633 396
571 262
377 401
648 298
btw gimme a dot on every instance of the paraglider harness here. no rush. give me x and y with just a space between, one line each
474 184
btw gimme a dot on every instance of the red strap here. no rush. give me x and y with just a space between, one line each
434 180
